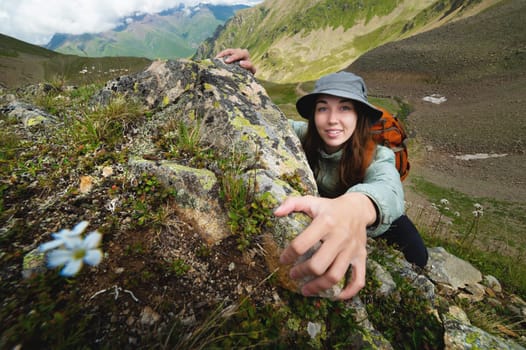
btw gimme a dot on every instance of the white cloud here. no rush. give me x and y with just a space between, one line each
35 21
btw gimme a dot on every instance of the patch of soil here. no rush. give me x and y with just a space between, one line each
461 126
156 278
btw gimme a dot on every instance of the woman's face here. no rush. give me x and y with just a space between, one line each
335 119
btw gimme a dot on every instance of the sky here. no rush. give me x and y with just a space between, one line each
36 21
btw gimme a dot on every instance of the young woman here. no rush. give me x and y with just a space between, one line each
361 191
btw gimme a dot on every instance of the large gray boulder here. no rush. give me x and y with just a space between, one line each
233 116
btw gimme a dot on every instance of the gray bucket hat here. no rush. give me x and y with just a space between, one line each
341 84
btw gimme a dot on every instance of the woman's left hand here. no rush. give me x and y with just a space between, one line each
340 224
238 55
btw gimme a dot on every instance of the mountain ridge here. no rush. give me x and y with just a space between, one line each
172 33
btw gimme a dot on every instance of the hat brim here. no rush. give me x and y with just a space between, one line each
306 104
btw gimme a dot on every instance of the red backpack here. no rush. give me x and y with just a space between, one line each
389 132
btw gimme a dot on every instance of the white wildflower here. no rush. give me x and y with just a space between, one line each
112 205
64 236
71 250
444 201
313 329
76 254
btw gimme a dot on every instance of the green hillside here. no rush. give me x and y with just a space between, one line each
301 40
22 63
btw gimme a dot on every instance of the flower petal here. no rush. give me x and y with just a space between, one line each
80 227
92 240
72 242
65 233
44 247
93 257
58 257
61 233
71 268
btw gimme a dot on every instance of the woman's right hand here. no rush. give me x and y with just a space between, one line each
238 55
340 224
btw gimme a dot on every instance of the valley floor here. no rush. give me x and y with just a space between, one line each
483 120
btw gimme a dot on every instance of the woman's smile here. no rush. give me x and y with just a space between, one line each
333 133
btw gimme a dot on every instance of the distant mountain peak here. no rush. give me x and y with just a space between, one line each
172 33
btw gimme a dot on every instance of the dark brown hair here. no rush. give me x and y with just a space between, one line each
357 152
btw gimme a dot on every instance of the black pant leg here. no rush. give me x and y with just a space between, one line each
406 237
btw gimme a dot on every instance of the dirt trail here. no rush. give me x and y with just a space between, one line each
299 90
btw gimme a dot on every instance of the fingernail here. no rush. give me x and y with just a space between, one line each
306 292
293 274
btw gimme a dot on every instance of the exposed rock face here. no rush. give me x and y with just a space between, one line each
29 115
449 269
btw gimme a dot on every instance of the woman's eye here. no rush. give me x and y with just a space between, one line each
347 108
322 109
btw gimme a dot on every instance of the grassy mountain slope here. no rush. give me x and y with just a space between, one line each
477 64
170 34
22 63
301 40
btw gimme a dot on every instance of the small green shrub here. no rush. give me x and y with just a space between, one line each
404 317
248 211
295 181
149 205
180 267
184 143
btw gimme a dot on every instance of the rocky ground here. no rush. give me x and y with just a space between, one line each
156 267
